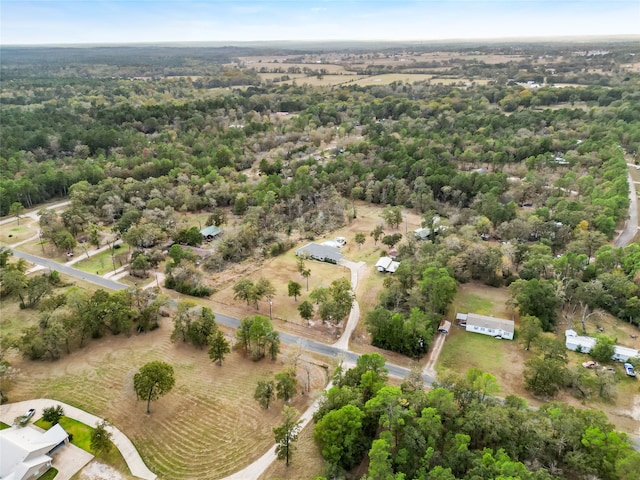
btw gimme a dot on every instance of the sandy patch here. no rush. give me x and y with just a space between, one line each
99 471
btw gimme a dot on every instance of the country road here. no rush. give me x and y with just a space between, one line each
286 338
256 469
631 226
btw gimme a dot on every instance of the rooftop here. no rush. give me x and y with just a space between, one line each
490 322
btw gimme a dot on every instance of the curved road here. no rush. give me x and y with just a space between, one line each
287 338
350 358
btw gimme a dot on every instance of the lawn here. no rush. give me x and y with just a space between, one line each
11 232
100 263
305 463
49 475
80 433
4 425
207 427
81 437
481 299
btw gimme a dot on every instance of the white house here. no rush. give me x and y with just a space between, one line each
25 452
582 344
486 325
386 264
578 343
623 354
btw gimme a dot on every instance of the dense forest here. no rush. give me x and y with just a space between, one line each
519 176
457 430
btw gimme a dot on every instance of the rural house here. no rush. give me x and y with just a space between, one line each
486 325
322 253
25 453
582 344
578 343
386 264
210 232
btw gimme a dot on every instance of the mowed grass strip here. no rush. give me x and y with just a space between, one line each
99 263
11 232
49 474
464 350
207 427
81 437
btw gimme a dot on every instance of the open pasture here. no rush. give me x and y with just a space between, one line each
207 427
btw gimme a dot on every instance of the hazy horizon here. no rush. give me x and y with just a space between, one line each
121 22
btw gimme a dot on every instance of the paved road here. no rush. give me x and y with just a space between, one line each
287 338
73 272
631 227
354 314
34 212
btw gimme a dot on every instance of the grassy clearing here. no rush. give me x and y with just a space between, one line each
306 463
11 232
99 264
4 426
13 319
81 433
209 405
477 298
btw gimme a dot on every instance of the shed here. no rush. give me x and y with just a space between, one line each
322 253
462 319
386 264
210 232
486 325
422 233
444 327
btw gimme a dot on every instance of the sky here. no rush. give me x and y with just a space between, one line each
27 22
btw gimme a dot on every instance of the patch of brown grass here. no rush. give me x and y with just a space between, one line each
305 464
11 232
207 427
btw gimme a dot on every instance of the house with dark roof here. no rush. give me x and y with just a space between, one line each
322 253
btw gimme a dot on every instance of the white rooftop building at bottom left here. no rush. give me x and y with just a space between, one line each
25 452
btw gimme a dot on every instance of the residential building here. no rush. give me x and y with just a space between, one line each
486 325
25 453
322 253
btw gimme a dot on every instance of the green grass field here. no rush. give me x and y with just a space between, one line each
81 433
81 437
49 475
99 264
470 302
4 425
465 350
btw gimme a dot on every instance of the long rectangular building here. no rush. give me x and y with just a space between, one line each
486 325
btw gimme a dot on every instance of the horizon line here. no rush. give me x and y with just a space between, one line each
526 39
